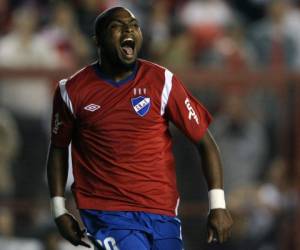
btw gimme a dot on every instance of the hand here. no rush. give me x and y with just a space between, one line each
69 228
219 225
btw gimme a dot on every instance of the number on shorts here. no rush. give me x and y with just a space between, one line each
108 243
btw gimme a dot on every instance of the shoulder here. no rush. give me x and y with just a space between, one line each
71 88
81 74
153 67
157 71
78 79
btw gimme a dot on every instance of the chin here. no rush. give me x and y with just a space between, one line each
127 64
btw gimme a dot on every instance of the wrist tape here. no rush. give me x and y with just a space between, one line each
58 207
216 198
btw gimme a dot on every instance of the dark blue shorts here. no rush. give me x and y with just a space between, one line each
132 230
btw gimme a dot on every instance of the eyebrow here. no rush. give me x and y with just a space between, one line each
120 21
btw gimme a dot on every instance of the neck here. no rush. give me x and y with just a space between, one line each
114 72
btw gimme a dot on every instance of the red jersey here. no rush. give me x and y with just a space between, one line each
121 145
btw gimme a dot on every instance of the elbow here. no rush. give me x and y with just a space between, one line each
207 144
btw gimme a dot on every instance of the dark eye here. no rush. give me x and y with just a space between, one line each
115 25
135 25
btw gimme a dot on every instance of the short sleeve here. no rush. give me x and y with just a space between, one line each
62 121
187 113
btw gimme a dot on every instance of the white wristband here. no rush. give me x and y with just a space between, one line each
58 207
216 199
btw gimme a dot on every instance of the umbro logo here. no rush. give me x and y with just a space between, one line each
92 107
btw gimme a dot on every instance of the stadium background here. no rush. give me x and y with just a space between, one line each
240 58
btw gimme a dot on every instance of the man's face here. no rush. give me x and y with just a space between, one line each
122 38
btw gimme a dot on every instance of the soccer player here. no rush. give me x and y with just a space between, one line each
115 113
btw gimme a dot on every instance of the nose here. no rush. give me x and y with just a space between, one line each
128 28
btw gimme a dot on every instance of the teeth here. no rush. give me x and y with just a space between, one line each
127 39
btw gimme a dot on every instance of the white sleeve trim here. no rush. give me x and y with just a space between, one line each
166 91
65 96
177 206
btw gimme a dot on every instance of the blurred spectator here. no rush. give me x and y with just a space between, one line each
9 145
292 26
5 17
206 12
20 243
24 48
249 10
28 98
205 20
231 51
242 142
261 210
7 222
159 30
64 35
274 44
7 239
177 53
264 100
87 11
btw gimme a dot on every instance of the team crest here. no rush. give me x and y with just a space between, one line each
141 105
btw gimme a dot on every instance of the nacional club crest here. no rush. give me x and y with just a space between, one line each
141 105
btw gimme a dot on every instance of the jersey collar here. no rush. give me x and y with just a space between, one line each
106 78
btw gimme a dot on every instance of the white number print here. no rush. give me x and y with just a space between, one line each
192 113
108 243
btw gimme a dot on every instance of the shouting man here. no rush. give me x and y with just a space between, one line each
115 113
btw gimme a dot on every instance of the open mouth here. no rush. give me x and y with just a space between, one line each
127 46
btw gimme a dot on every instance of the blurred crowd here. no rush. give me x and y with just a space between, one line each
181 35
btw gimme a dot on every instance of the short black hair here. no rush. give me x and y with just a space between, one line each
102 20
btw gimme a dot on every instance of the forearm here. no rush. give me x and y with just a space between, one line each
211 162
57 173
57 170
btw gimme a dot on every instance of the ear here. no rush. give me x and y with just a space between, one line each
96 40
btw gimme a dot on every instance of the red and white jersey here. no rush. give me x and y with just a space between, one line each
121 145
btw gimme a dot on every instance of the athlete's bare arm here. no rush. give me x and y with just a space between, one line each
57 170
211 162
57 173
219 220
